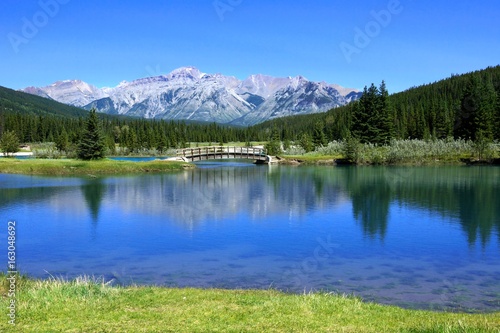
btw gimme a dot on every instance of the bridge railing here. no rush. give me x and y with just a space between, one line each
248 152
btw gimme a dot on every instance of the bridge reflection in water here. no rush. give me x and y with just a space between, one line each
222 152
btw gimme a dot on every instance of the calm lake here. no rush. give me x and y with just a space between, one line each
419 237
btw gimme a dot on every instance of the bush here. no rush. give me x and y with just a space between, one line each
332 149
483 150
351 149
295 150
273 148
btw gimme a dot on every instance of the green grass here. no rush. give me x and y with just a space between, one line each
89 305
77 167
310 159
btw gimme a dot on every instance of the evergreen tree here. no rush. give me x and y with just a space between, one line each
62 141
372 117
485 115
351 149
497 118
364 118
306 143
469 105
319 138
9 143
162 143
384 117
91 145
443 127
273 147
132 143
110 144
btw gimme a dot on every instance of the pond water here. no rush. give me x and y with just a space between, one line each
419 237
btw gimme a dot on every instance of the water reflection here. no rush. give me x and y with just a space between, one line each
93 192
395 235
371 197
193 198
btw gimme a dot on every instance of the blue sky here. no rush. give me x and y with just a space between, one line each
104 42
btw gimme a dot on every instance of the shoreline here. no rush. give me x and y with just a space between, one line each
90 304
339 161
72 167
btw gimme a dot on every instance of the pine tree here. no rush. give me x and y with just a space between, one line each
273 147
497 118
469 105
351 149
319 138
364 118
91 145
384 117
443 128
306 143
9 143
162 144
62 141
372 117
133 144
485 115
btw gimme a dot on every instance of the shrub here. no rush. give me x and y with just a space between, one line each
351 149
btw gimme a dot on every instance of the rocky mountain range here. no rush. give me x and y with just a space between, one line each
187 93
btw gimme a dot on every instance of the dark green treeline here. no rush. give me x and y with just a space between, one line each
462 106
134 134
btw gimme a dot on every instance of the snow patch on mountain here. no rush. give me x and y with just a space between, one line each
188 93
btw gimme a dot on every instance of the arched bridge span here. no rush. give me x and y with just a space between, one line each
223 152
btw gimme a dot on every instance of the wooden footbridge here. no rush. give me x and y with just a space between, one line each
222 152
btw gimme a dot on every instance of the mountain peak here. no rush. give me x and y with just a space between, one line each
188 93
187 71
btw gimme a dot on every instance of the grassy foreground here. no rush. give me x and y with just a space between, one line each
77 167
87 305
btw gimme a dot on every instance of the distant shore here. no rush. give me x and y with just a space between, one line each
329 160
19 154
71 167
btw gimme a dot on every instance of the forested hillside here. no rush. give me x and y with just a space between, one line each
462 106
12 101
37 119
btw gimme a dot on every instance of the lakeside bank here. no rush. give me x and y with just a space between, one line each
70 167
91 305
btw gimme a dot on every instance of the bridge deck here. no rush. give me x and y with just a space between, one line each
221 152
